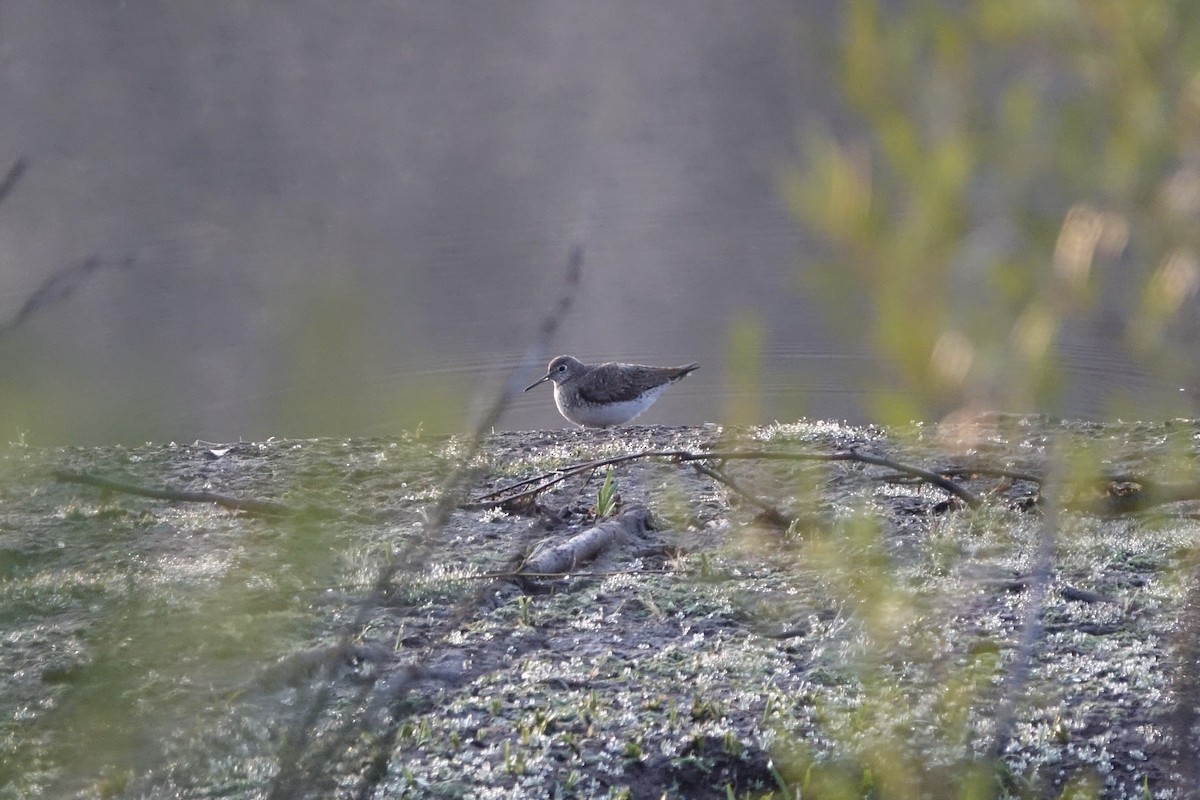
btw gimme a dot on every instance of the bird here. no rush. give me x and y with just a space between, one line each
606 395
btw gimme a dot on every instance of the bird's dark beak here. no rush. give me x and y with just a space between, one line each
538 381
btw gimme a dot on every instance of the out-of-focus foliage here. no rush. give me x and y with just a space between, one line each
743 365
1009 168
1006 175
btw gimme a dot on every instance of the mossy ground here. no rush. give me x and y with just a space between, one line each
862 651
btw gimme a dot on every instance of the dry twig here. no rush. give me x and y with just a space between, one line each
773 514
291 777
551 479
9 182
1031 632
266 508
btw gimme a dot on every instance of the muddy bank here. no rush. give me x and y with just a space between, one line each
860 638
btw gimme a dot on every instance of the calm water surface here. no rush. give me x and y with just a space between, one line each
315 223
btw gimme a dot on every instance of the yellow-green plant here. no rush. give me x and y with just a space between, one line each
1018 167
1003 176
606 499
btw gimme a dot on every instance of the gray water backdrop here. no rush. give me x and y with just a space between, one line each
313 218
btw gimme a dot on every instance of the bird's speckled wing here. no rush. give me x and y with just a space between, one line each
612 382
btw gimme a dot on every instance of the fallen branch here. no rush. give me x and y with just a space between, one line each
770 512
1182 719
1012 691
551 479
525 573
9 182
1020 583
58 287
545 481
1119 493
586 545
967 496
991 472
266 508
292 772
1128 494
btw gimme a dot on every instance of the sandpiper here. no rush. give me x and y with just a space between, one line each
605 395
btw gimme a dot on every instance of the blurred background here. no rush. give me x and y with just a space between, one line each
252 219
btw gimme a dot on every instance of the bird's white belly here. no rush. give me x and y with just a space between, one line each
607 415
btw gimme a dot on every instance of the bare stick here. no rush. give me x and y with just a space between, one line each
264 508
497 497
9 182
509 575
1013 689
771 511
967 496
991 472
1183 718
1147 494
58 287
292 776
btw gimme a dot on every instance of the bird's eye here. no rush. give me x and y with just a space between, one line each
562 367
